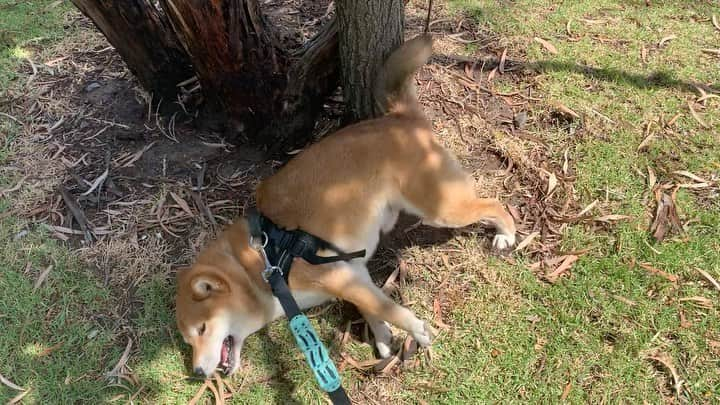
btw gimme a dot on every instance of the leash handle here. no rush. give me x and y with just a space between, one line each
315 353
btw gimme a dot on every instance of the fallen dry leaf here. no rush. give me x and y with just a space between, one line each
219 399
646 142
386 365
526 242
515 212
199 394
612 217
117 370
437 312
666 40
97 182
700 301
666 217
653 270
715 22
41 278
696 116
587 208
714 346
673 119
667 362
566 111
10 384
566 391
409 348
684 323
501 64
652 178
709 278
643 54
552 182
492 74
568 261
547 45
18 398
359 365
182 203
592 22
690 175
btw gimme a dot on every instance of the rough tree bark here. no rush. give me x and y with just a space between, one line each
238 62
144 39
369 31
267 94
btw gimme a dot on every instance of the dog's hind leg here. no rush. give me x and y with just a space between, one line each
351 282
382 333
443 195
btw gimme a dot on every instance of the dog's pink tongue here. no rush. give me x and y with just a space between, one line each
225 352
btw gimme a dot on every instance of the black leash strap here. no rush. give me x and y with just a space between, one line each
281 247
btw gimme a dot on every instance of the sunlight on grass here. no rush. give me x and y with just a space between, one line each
513 337
20 53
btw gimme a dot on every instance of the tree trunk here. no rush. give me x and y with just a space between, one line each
143 38
265 93
313 76
239 64
369 30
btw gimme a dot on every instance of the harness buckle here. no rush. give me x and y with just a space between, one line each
260 247
269 271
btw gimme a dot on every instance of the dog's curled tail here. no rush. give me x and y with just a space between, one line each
394 90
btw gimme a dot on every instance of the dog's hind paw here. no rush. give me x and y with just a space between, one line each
503 241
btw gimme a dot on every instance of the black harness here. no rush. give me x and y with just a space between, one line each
279 247
282 246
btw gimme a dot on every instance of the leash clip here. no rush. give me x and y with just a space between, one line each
269 269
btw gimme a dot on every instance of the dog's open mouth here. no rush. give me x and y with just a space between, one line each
227 362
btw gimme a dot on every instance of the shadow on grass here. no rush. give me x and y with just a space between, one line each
655 79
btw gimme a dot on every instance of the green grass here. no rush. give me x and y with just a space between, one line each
51 344
514 338
24 27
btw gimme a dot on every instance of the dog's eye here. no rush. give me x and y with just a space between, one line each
201 331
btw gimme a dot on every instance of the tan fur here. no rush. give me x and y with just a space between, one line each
344 189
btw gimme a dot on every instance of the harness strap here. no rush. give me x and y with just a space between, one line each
281 247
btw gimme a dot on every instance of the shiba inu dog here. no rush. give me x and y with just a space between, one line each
345 189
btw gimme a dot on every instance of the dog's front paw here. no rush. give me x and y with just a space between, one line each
504 241
424 334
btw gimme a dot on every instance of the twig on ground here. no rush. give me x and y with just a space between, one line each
12 118
116 372
77 213
14 188
17 398
666 361
696 116
199 394
41 278
10 384
709 278
97 183
670 277
568 261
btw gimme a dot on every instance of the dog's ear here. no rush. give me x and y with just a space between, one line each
206 285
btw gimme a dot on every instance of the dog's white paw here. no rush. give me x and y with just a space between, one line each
383 349
424 334
383 339
504 241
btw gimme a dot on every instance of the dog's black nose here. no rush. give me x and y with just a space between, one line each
199 372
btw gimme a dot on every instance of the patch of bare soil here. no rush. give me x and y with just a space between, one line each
139 191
